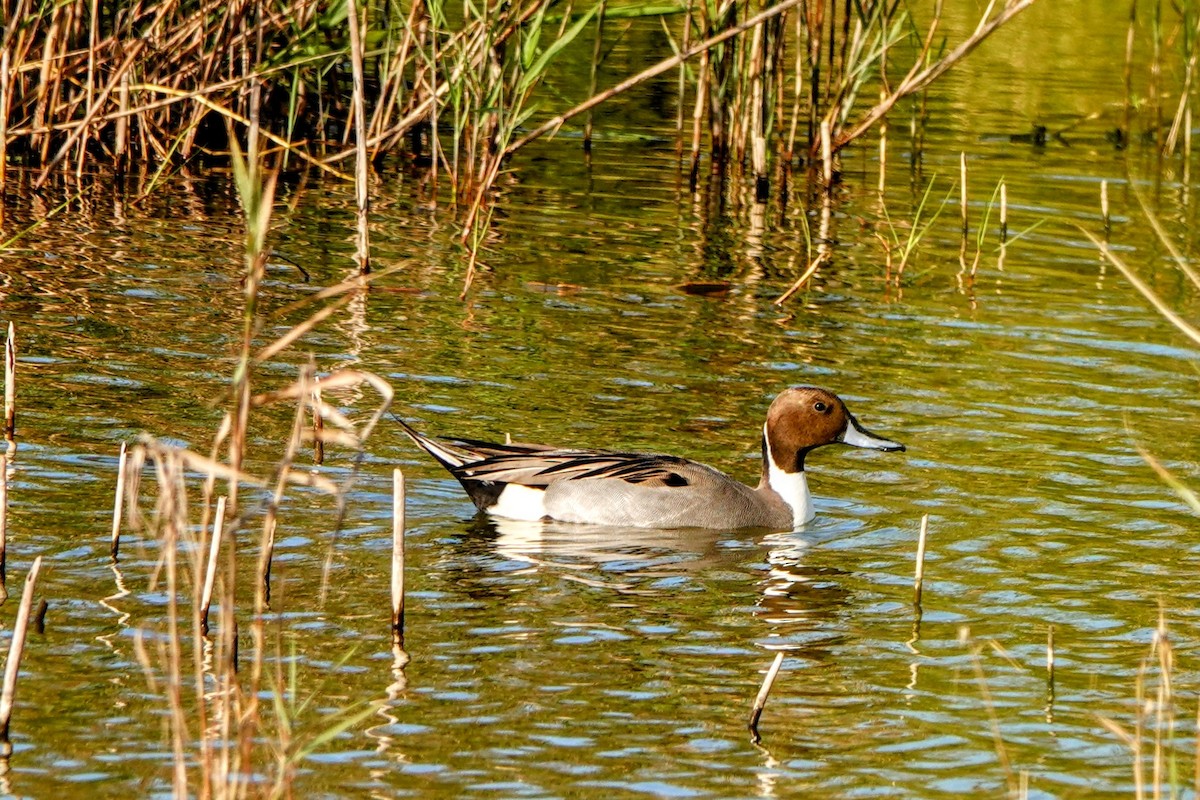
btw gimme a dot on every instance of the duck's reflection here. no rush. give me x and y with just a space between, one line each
796 598
797 591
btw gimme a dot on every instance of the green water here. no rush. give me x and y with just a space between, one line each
563 661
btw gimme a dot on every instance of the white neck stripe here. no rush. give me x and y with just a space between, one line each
791 486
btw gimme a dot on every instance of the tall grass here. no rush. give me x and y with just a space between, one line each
233 719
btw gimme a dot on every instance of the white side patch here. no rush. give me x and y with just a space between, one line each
520 502
791 486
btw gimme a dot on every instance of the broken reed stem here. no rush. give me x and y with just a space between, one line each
15 648
1050 654
1049 670
397 552
827 154
1104 209
210 572
760 701
962 193
318 428
118 501
10 385
920 571
883 132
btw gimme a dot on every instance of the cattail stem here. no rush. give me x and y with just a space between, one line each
760 701
210 573
10 386
15 648
920 570
119 500
398 551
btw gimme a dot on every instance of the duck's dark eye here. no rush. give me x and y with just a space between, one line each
820 407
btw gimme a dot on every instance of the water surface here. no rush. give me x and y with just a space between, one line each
558 661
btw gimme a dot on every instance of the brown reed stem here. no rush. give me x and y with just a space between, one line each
16 648
398 503
919 579
760 701
210 572
118 501
10 384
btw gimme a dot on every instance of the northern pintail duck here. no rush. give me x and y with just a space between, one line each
643 490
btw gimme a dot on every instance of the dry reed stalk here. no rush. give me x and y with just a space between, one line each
1104 209
3 527
964 636
919 579
962 197
1164 707
1160 306
760 701
398 502
1003 212
10 384
318 428
681 86
1187 147
5 97
698 120
210 572
119 497
883 149
16 647
827 155
358 104
597 49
